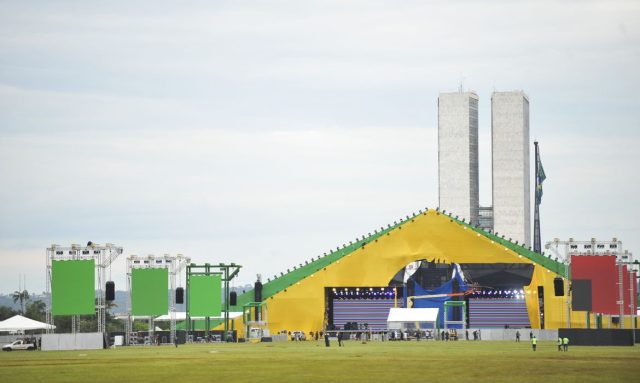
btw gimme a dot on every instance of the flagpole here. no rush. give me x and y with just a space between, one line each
537 247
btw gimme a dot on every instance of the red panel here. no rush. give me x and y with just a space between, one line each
603 273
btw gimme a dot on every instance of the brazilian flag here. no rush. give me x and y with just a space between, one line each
539 181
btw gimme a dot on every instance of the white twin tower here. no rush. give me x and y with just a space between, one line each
510 214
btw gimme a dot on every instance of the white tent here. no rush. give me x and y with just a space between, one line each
399 316
20 323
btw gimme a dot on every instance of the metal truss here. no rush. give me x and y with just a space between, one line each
227 272
563 250
103 256
175 265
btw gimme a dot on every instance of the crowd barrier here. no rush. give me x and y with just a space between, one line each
79 341
510 334
598 337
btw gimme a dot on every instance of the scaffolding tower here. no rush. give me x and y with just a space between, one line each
175 265
563 250
227 272
463 309
255 315
103 256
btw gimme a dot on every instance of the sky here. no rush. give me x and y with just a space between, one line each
268 132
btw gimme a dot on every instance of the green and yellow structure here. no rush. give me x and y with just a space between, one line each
296 300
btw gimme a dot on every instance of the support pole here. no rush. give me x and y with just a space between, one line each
621 294
226 299
49 317
152 331
632 304
567 292
130 317
537 247
172 299
188 292
207 323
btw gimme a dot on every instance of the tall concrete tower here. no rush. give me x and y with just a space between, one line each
510 165
458 154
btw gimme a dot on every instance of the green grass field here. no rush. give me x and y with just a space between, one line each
312 362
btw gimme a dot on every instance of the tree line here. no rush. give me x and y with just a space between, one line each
36 310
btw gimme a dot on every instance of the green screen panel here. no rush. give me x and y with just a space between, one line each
149 291
73 287
205 295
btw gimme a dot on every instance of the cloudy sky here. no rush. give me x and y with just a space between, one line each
268 132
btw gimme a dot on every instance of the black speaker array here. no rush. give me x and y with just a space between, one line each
581 299
257 296
179 295
257 290
351 326
110 293
558 286
233 298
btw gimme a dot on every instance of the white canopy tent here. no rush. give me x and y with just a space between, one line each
398 317
20 323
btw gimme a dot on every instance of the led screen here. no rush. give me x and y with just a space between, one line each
73 287
205 297
149 291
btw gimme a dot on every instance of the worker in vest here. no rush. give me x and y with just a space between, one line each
534 342
565 343
559 343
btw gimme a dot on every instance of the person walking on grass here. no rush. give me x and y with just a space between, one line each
559 343
517 336
534 342
565 343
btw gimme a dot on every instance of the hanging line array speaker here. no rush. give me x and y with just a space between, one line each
110 291
233 298
257 291
179 295
558 286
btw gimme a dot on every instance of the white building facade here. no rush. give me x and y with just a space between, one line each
510 165
458 188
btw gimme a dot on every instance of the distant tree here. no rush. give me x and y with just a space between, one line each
62 323
22 296
140 326
7 312
113 324
36 310
88 324
110 305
